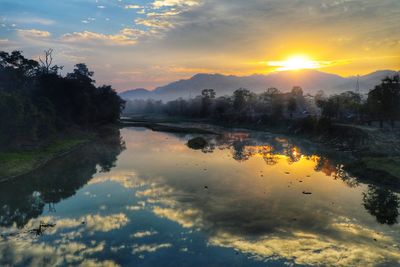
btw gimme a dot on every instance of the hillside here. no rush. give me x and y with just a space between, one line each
310 80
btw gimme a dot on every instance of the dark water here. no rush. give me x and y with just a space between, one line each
147 199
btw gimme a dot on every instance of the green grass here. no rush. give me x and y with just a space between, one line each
14 163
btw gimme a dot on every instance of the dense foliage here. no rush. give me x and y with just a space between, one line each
273 107
36 101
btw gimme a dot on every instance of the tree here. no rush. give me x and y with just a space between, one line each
383 101
292 105
82 74
35 101
222 106
16 71
46 64
207 96
109 104
241 98
272 91
297 91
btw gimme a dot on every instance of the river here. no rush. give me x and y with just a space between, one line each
143 198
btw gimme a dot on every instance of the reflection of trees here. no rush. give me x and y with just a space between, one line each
239 151
325 165
382 203
208 148
271 159
343 175
244 147
25 197
293 153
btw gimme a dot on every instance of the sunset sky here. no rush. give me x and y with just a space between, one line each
146 43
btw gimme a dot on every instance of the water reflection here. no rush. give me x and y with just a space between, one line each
237 202
26 197
272 149
379 202
382 203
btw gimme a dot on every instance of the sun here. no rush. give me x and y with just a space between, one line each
295 63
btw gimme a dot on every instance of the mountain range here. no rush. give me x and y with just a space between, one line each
310 80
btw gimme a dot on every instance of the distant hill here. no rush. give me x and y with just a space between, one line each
310 80
139 93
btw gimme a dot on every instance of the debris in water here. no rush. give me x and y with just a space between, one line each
205 187
306 193
42 227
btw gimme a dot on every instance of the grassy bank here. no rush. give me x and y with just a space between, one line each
18 162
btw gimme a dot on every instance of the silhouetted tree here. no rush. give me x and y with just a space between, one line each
292 105
240 99
208 95
297 91
36 101
384 100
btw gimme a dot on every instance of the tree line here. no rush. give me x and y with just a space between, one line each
36 101
273 106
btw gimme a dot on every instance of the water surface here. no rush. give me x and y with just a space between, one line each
142 198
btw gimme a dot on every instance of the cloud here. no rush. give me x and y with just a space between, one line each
149 248
134 208
62 249
96 263
126 179
173 3
132 7
308 249
225 35
33 33
105 223
186 218
126 36
154 23
21 252
33 20
143 234
91 223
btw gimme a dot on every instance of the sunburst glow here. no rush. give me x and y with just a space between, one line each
295 63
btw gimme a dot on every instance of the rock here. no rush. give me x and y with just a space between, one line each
197 143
